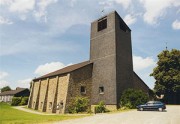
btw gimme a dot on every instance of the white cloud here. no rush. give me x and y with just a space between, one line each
140 63
5 2
155 9
5 21
22 6
24 83
41 13
72 2
130 19
144 67
3 82
124 3
48 67
3 75
176 25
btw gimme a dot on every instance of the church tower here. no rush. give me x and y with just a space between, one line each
111 54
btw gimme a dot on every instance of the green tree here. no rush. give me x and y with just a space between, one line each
6 88
167 75
131 98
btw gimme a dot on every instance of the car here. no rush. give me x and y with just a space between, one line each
152 105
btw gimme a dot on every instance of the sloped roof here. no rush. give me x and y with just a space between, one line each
12 92
65 70
140 79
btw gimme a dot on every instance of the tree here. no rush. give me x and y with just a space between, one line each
131 98
167 75
6 88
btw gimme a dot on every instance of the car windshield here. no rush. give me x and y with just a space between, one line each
153 102
150 102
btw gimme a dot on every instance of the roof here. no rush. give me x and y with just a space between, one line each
65 70
12 92
141 80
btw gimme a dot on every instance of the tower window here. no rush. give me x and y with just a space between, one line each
83 90
102 24
101 90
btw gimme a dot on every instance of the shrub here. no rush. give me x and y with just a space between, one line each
24 101
79 104
16 101
100 108
131 98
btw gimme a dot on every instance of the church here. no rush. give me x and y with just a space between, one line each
104 77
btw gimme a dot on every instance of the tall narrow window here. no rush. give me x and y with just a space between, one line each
102 24
50 105
41 106
83 90
101 90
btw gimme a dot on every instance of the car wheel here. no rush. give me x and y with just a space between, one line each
141 109
160 109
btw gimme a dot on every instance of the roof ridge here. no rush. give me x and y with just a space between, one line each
65 70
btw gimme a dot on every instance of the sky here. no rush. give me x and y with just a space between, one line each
41 36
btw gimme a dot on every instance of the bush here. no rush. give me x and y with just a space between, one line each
16 101
100 108
79 104
131 98
24 101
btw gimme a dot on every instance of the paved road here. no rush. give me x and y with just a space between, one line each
171 116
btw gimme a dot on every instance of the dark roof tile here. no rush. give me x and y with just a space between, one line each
12 92
65 70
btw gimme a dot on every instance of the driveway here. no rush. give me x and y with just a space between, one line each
170 116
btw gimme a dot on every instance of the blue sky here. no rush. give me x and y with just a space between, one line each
40 36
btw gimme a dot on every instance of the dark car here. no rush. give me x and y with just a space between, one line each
152 105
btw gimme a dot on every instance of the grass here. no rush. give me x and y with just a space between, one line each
9 115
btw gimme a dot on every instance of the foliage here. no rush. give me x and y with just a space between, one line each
6 88
79 104
131 98
24 101
100 108
9 115
167 73
16 101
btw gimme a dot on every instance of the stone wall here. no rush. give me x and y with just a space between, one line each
62 93
103 56
124 65
35 94
51 94
42 94
54 94
78 78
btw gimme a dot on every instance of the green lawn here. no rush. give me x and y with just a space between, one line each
9 115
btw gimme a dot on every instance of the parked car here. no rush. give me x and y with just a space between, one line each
152 105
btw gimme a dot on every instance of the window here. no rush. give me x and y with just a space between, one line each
83 89
41 105
101 90
34 103
57 107
50 105
102 24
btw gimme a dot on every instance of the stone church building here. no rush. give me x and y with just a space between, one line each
103 78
